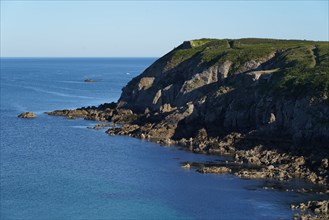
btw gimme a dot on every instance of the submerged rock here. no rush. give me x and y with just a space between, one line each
218 170
186 166
101 126
27 115
89 80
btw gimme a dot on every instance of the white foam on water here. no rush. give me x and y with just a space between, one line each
58 93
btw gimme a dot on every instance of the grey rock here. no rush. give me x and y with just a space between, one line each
27 115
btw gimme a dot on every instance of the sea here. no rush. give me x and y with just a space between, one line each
56 168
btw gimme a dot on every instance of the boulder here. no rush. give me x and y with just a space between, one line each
27 115
187 166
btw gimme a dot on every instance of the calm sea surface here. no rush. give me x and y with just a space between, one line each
54 168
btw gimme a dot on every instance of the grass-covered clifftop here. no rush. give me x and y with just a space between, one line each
303 65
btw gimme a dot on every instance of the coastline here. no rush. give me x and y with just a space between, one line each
260 101
257 162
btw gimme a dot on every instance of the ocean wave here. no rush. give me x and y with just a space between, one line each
58 93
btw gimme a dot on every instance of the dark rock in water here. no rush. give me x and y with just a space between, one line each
27 115
320 208
101 126
89 80
218 170
186 165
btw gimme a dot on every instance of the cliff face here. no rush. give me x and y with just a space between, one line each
269 88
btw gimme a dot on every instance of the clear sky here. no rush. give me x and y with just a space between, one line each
149 28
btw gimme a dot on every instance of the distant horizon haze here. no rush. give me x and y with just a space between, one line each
78 29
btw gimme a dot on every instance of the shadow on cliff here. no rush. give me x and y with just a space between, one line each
238 111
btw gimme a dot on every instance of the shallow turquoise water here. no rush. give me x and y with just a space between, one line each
54 168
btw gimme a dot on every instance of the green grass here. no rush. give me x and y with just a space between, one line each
302 75
200 42
304 81
303 65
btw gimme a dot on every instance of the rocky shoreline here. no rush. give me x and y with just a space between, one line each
312 210
270 162
257 162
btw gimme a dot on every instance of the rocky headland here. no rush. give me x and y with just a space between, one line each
263 102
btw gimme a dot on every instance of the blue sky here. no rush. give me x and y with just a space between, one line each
149 28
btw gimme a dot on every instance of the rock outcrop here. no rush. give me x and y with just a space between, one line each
218 170
27 115
307 210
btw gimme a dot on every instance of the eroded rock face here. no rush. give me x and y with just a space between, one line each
297 120
210 75
162 84
145 83
155 127
27 115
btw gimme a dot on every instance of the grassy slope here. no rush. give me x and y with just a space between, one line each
303 65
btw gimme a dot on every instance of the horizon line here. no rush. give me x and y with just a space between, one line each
23 57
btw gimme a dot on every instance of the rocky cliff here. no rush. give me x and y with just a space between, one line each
274 89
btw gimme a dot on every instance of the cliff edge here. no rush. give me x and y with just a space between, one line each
275 89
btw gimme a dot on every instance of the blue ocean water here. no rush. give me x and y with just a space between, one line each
54 168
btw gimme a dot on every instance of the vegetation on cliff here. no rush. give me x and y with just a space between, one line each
303 65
